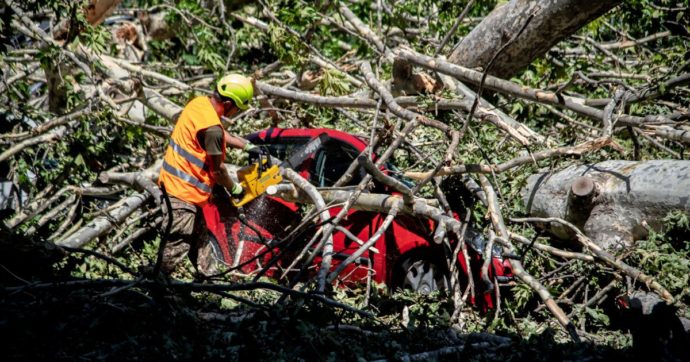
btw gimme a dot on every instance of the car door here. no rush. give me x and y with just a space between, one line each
330 162
257 233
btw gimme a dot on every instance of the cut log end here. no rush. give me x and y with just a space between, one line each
104 177
583 186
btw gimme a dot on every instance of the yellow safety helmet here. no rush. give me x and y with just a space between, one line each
238 88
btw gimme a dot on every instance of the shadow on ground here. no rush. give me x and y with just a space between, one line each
63 323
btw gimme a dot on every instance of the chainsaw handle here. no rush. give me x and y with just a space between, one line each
269 159
260 166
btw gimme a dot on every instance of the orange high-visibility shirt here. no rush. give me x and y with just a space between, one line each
186 172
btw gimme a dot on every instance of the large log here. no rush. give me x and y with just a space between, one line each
612 202
553 21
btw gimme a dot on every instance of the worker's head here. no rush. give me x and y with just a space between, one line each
234 92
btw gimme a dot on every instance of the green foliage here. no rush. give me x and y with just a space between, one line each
205 52
598 316
97 38
288 48
424 311
677 220
667 255
299 15
48 55
522 294
334 83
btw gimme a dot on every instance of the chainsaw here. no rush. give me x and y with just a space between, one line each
258 176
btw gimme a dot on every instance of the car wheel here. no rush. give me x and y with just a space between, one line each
424 276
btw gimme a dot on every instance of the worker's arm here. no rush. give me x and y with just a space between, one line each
235 142
213 144
220 172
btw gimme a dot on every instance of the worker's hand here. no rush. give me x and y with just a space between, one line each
248 147
237 192
256 151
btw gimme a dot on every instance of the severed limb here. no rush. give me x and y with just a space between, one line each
393 105
119 247
458 299
392 213
44 127
488 252
40 203
540 96
650 92
547 248
69 219
577 150
606 257
354 238
103 224
518 270
50 215
620 44
484 112
324 215
365 31
656 143
141 180
385 179
159 104
30 142
447 159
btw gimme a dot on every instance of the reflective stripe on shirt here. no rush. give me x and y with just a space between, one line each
186 155
186 177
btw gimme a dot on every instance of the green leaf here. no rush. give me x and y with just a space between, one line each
190 59
598 315
79 160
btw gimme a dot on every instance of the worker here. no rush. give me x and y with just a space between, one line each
193 164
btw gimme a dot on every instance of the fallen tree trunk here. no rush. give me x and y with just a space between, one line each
103 224
555 20
612 202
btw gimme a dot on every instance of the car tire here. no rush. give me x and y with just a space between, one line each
423 274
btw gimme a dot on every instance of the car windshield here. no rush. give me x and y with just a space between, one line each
329 163
284 148
332 160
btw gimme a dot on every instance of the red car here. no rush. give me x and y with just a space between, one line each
262 234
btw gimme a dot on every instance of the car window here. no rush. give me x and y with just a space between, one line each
329 164
332 160
283 149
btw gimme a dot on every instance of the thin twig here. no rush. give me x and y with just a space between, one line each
605 256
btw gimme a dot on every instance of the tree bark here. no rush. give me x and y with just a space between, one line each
554 20
544 97
99 10
103 224
610 201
